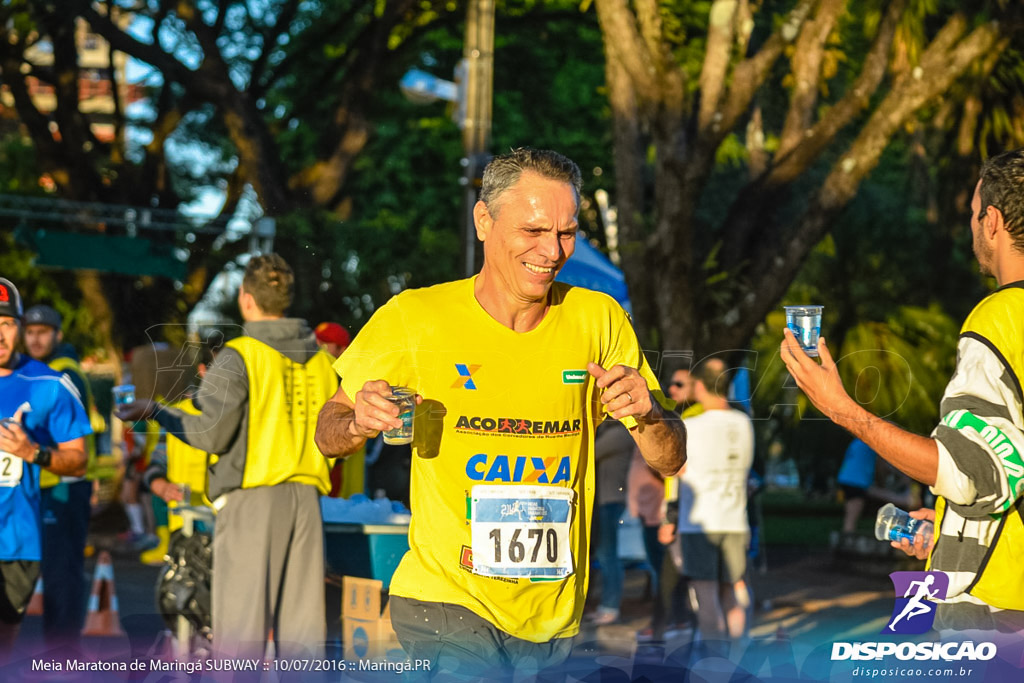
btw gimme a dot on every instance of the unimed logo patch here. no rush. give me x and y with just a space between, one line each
916 596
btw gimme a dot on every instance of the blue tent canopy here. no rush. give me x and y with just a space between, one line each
587 267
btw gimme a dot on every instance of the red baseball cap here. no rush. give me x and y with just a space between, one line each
332 333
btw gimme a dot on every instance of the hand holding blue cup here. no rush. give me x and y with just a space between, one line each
805 324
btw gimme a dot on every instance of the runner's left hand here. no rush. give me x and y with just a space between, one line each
14 439
625 391
917 550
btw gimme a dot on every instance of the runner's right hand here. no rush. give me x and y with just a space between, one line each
374 412
913 550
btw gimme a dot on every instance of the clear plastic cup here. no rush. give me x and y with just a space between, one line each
123 394
894 524
805 324
405 399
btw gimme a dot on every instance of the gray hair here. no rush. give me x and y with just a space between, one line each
504 171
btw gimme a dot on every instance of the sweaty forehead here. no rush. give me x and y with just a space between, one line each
537 194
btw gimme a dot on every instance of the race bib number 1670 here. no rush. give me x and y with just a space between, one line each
522 531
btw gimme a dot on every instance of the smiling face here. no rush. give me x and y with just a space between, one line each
530 238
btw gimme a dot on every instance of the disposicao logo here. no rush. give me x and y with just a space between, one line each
916 595
921 652
465 380
574 376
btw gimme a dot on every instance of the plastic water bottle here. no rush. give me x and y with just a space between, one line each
894 524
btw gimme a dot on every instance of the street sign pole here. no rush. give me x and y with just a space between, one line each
478 54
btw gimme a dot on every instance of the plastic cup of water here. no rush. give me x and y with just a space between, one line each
405 399
124 394
805 324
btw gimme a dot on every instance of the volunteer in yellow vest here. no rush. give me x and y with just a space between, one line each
514 372
972 460
259 403
65 500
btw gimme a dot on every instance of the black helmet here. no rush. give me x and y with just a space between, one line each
10 300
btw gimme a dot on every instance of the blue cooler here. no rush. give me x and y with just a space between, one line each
369 551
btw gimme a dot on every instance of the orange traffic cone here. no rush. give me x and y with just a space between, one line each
102 619
35 605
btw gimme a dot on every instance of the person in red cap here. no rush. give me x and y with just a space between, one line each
332 337
348 476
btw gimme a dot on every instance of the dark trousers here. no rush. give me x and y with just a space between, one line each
655 554
463 646
672 601
65 525
612 573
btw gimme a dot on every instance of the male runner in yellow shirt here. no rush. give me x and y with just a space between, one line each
513 373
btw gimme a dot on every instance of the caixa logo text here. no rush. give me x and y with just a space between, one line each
947 652
518 469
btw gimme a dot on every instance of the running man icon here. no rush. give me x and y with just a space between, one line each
916 606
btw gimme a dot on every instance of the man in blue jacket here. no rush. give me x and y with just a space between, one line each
44 425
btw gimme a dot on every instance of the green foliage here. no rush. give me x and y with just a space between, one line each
895 286
404 223
55 289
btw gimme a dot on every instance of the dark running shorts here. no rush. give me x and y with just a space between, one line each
19 580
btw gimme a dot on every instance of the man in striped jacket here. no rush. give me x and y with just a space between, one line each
972 460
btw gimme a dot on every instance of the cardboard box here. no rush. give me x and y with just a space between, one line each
366 628
361 598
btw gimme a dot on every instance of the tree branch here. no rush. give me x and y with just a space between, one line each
717 55
751 73
856 99
115 94
153 54
312 42
780 258
746 216
806 60
270 35
623 42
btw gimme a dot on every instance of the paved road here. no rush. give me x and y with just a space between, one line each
807 601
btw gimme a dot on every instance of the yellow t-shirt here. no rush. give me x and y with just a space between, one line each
501 409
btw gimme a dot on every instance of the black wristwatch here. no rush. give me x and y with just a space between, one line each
43 456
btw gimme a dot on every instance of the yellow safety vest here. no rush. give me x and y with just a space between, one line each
353 474
285 398
186 465
1000 578
66 365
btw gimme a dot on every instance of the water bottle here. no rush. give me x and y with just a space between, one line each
894 524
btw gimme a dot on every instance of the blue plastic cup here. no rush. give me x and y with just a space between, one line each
123 394
805 324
